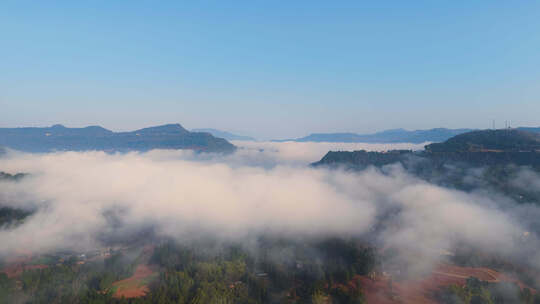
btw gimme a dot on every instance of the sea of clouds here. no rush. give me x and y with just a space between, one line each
83 198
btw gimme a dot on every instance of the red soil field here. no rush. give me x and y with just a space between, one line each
420 290
15 270
134 286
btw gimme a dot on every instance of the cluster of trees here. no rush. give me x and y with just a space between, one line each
67 283
278 271
12 217
9 216
476 291
282 271
361 159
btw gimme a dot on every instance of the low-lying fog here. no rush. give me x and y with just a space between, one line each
83 198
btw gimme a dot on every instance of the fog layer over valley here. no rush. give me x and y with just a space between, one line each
301 153
84 200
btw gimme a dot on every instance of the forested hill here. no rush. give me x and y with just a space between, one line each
486 147
500 155
60 138
504 140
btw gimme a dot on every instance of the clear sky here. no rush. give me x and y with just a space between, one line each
270 69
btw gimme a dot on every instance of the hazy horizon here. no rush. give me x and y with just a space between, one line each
255 136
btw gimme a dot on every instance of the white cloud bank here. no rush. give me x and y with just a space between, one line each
180 194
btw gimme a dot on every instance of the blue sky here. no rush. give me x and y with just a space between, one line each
270 69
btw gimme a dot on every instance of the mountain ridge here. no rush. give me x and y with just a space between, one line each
399 135
385 136
224 134
61 138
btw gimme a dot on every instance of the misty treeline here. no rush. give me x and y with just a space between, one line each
495 172
11 217
277 270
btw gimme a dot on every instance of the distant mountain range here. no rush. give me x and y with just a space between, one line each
60 138
391 136
387 136
224 134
